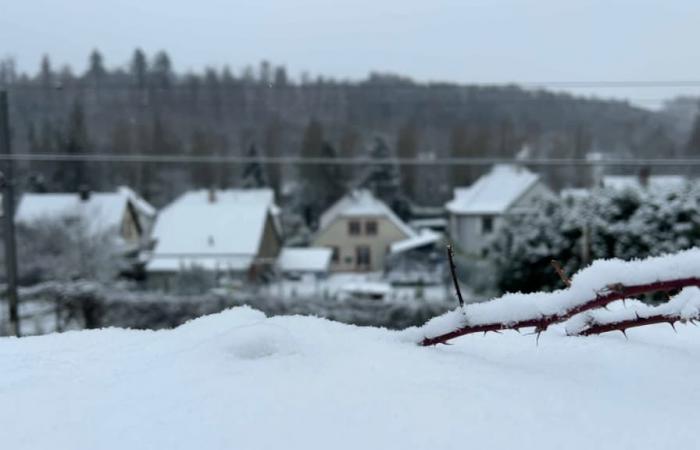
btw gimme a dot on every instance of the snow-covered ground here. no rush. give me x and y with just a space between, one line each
239 380
336 283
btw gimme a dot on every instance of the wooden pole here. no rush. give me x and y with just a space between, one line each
8 216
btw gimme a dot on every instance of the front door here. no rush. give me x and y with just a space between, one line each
363 258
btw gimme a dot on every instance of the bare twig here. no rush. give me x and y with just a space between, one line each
560 271
453 271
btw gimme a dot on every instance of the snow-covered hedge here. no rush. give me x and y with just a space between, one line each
610 223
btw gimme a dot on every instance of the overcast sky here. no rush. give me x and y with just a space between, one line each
461 40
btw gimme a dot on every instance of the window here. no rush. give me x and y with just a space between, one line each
371 227
354 228
486 224
363 257
335 255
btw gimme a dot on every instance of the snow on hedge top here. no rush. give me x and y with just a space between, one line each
361 203
494 192
586 284
219 229
304 259
102 211
654 182
240 380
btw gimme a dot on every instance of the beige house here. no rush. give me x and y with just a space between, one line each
359 229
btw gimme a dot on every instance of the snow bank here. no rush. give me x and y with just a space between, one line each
240 380
597 279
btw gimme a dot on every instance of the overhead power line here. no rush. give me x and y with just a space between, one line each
355 161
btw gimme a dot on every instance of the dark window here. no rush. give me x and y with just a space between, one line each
353 228
486 224
371 227
335 256
363 257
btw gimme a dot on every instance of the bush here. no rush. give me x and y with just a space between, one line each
609 223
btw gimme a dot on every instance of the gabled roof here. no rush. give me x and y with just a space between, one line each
222 234
304 259
101 210
494 192
362 202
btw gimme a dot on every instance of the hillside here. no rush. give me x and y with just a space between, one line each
150 109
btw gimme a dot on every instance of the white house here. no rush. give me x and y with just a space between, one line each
227 233
359 229
123 214
475 212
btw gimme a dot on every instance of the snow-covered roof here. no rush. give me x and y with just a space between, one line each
101 210
221 234
425 237
362 202
304 259
140 204
621 182
494 192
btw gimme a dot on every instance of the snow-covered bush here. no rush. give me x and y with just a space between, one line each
609 223
66 249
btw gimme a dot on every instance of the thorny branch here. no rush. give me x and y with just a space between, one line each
541 323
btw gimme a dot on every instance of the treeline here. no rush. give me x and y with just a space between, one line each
146 107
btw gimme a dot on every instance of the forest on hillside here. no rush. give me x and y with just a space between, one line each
144 107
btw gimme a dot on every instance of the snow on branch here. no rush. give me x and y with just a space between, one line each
603 282
683 307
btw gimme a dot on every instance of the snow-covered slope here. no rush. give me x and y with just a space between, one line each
239 380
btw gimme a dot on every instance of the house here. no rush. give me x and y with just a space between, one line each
123 214
475 212
359 229
297 262
231 234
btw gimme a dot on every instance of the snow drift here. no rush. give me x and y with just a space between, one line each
241 380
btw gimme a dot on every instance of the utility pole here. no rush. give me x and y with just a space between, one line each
8 215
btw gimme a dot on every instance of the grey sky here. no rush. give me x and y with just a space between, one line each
460 40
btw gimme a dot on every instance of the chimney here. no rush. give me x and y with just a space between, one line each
212 195
644 177
84 193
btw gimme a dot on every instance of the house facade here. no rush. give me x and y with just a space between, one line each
477 211
226 234
359 229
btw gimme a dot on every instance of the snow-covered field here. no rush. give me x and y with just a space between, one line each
239 380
